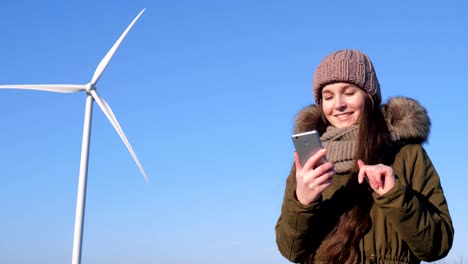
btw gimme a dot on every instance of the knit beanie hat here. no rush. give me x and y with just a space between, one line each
351 66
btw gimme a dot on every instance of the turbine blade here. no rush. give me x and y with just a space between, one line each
58 88
105 61
110 115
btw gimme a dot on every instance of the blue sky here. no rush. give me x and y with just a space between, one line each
206 92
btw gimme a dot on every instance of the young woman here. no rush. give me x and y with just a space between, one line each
378 199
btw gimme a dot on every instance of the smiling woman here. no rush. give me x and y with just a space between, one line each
343 104
378 199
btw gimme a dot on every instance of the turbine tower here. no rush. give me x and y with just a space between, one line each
91 95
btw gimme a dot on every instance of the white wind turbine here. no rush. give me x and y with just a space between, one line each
91 95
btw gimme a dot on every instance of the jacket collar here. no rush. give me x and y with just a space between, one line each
406 119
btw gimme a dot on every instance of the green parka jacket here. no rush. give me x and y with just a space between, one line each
410 223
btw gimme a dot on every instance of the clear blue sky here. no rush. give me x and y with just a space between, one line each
206 92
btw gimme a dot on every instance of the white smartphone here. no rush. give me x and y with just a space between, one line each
307 144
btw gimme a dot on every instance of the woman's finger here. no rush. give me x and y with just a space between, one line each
362 173
313 161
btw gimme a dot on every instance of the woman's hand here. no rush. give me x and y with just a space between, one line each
380 177
312 182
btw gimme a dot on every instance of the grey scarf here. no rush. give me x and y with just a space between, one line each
341 145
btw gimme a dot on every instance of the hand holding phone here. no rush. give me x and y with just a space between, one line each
311 183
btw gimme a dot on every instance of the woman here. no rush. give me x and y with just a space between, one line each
378 199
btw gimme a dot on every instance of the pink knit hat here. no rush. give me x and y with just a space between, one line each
351 66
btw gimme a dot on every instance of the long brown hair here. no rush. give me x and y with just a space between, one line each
342 242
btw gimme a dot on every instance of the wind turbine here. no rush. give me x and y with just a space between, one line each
91 95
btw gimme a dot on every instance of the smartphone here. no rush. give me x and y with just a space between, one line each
307 144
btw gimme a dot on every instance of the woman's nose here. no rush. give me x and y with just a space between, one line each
339 103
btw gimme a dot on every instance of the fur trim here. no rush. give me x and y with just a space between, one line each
407 120
307 119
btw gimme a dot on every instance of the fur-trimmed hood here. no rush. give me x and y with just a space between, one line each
406 119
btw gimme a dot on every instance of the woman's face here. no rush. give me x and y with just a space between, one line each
343 104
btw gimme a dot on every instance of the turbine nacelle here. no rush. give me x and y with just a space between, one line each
90 87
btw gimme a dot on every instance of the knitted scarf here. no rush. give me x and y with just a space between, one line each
341 145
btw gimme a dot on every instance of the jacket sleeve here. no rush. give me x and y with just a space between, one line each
294 228
416 207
